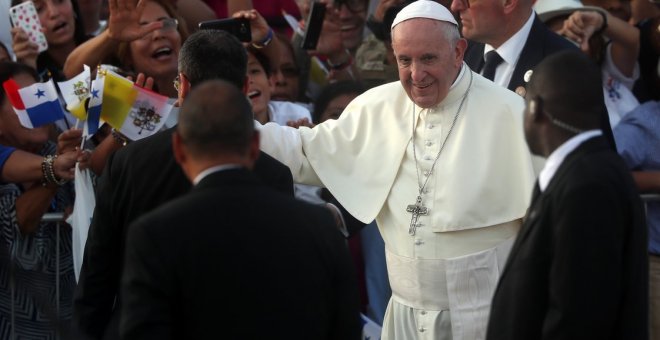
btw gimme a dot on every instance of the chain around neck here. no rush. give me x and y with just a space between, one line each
442 146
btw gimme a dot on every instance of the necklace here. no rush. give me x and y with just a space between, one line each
418 209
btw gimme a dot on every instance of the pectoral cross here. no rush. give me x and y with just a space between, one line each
416 210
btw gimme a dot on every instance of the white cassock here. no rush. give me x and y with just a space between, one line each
442 277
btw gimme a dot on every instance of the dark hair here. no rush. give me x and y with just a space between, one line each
332 91
10 69
216 117
213 54
262 58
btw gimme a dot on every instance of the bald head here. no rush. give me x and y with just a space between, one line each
215 119
568 86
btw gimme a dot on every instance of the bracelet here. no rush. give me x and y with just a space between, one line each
342 65
48 172
266 41
118 137
603 27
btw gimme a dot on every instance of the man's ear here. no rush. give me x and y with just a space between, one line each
461 46
509 6
536 109
179 149
254 151
184 88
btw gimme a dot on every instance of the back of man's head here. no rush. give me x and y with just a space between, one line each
567 85
216 119
213 54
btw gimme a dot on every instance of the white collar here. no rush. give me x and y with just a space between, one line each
213 169
510 49
557 157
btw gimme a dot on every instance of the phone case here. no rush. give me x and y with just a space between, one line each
24 15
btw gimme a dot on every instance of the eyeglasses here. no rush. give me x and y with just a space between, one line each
177 83
169 25
352 5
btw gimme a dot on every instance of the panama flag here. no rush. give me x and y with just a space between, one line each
94 109
75 91
134 111
35 105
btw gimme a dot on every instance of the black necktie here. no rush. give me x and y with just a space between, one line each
492 60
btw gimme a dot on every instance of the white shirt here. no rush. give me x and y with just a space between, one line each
557 157
510 53
214 169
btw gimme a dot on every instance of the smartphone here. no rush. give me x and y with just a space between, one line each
313 26
239 27
24 15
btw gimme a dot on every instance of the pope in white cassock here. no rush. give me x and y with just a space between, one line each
440 161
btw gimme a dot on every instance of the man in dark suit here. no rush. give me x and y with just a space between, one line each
578 268
251 263
142 176
506 40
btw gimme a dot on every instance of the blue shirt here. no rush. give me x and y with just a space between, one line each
638 141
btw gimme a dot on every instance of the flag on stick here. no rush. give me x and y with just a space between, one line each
75 91
134 111
35 105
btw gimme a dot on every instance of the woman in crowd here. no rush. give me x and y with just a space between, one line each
36 259
142 37
63 33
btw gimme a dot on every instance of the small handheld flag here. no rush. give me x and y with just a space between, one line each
35 105
75 91
134 111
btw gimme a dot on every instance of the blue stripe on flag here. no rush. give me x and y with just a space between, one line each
93 117
44 113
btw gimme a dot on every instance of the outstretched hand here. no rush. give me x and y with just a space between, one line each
124 20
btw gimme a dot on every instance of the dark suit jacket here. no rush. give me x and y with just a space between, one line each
234 259
579 268
137 178
541 42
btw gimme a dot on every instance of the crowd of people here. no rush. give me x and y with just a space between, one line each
450 169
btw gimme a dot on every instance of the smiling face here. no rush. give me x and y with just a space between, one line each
12 133
428 63
258 86
57 19
156 54
352 18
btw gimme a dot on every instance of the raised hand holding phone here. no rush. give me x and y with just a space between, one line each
25 17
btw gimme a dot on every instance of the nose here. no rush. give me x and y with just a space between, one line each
417 71
458 5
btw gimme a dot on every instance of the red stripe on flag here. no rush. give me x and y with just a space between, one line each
11 89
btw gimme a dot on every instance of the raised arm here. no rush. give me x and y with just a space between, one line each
581 25
123 25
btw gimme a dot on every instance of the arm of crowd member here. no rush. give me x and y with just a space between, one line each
194 12
23 166
581 25
123 25
647 181
260 31
32 204
331 45
26 51
234 6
